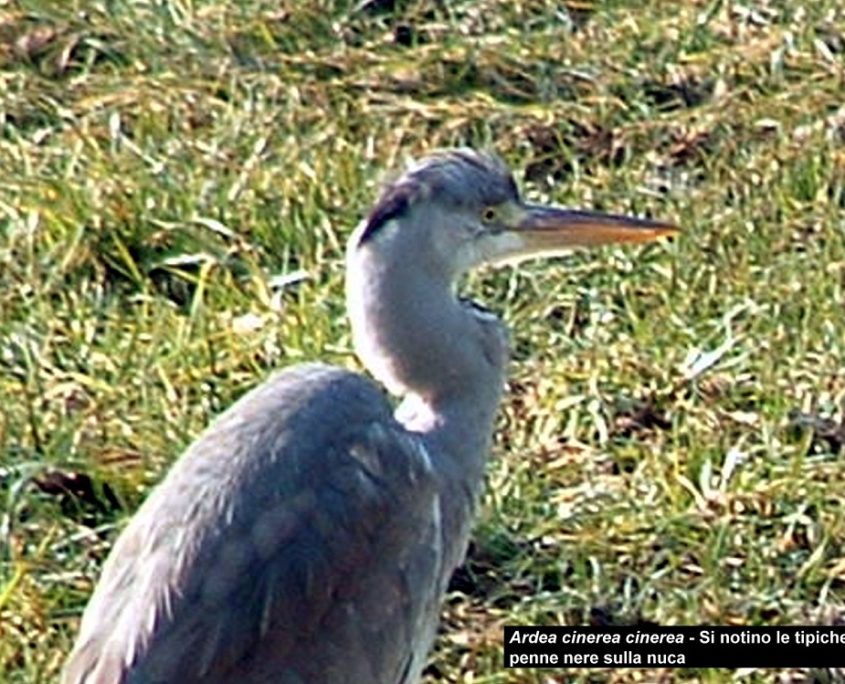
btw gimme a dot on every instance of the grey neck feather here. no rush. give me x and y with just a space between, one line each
414 335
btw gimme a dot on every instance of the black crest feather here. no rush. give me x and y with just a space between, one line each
393 204
457 177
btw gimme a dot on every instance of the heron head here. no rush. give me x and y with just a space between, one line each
459 209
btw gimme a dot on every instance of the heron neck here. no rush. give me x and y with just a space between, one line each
457 434
414 335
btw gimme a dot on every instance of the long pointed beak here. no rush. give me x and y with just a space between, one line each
546 230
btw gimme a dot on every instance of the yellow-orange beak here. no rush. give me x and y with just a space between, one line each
548 229
526 231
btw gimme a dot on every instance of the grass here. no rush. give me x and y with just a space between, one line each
178 181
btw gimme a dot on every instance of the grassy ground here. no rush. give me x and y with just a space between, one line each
177 180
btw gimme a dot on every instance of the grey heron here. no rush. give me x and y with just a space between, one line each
308 535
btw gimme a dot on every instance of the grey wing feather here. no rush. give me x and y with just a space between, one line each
268 531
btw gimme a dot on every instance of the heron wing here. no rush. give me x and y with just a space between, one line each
297 540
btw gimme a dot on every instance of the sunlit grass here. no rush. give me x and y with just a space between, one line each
178 181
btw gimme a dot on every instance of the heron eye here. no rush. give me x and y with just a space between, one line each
488 215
